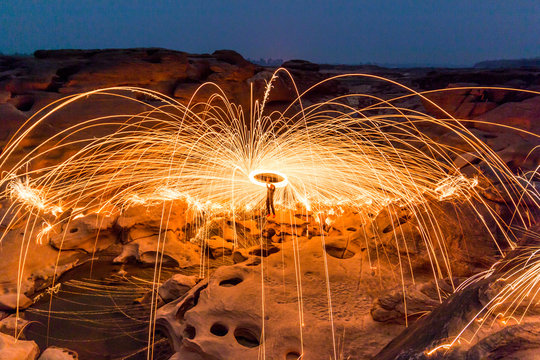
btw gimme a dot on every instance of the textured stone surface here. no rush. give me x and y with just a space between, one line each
14 326
176 286
9 301
42 264
90 233
168 248
56 353
518 342
222 317
11 349
282 265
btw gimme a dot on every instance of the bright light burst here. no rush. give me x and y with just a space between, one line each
329 153
207 154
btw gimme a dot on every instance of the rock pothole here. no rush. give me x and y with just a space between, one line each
231 282
247 337
219 329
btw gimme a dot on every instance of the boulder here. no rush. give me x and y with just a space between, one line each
56 353
485 338
130 253
514 342
8 301
401 232
90 233
218 247
12 349
156 69
42 264
466 103
12 325
231 57
522 115
151 216
407 305
282 88
176 286
153 246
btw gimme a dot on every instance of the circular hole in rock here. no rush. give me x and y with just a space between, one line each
246 337
293 355
73 230
339 252
219 329
190 332
231 282
23 102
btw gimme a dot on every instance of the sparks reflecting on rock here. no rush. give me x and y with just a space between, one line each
329 157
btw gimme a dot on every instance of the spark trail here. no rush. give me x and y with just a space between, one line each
206 154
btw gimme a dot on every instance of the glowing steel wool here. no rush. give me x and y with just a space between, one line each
262 177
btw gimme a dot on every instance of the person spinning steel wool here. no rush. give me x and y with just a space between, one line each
270 190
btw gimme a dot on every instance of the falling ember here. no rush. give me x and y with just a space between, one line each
43 233
438 348
324 159
205 156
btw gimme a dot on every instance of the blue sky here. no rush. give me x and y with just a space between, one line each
407 32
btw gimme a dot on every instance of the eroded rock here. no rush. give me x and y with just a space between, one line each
165 247
407 305
90 233
9 301
176 286
12 349
514 342
130 253
56 353
14 326
173 212
223 317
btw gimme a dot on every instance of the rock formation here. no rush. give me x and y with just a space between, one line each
295 287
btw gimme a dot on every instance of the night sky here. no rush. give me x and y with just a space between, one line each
428 32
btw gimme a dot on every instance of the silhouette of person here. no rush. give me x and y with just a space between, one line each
270 189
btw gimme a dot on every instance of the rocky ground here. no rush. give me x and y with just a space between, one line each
286 295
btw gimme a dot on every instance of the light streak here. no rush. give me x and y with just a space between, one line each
207 155
519 282
440 347
43 233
